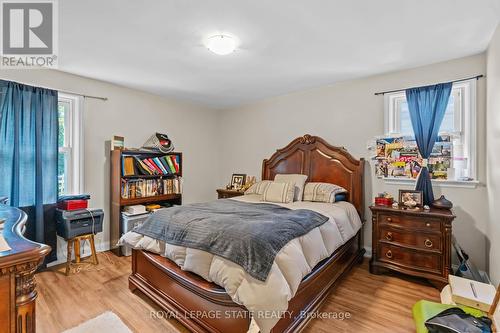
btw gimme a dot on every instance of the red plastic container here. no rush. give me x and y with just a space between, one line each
72 204
384 201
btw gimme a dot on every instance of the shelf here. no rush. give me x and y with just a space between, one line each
170 175
157 198
147 152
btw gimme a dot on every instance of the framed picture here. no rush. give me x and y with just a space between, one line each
238 180
411 198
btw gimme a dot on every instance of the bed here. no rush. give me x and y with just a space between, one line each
204 306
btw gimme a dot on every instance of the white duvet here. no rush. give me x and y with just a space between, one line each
265 300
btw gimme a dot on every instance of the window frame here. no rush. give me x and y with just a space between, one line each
467 126
75 146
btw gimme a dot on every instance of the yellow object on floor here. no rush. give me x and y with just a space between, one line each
424 310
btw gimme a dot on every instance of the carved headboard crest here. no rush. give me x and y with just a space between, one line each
321 162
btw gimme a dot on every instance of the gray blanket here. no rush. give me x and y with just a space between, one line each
248 234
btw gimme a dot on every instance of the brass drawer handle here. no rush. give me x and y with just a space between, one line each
389 219
427 224
428 243
388 254
388 236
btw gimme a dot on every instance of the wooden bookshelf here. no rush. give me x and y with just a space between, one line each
152 199
117 202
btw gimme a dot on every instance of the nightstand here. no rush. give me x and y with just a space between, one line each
413 242
224 194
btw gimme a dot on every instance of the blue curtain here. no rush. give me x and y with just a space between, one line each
427 106
28 148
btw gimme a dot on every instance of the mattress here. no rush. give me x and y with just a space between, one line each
268 300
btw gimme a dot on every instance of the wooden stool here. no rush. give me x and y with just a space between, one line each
76 243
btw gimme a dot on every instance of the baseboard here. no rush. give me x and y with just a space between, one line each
368 252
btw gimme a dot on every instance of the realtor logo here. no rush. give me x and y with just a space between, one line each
29 34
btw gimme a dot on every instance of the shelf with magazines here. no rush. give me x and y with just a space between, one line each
142 177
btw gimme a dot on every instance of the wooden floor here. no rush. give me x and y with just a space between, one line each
375 303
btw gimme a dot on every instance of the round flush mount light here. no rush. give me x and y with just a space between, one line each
221 44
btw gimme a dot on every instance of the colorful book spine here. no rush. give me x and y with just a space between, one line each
153 164
160 165
143 166
164 163
151 167
174 161
170 164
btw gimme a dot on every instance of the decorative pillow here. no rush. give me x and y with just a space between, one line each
259 187
322 192
299 181
279 192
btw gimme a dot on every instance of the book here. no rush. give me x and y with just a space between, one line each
154 166
472 293
128 168
160 165
174 161
118 142
165 164
141 167
165 160
170 164
141 188
153 170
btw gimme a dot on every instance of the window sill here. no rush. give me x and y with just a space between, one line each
435 182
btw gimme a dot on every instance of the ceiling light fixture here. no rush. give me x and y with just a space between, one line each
221 44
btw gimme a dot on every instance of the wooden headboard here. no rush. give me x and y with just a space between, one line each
321 162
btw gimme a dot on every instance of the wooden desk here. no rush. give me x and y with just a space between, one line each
17 270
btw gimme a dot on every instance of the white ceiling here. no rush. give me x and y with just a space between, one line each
157 45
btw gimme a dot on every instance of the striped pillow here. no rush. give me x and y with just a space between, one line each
299 181
259 187
279 192
322 192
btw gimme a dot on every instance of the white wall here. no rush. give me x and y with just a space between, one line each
349 114
135 115
493 155
345 114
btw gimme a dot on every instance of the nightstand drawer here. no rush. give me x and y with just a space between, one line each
426 261
410 222
413 239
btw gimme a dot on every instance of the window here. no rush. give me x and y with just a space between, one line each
459 122
70 163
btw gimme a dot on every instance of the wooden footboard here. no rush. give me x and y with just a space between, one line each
205 307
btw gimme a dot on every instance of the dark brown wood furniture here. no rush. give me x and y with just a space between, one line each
17 270
222 193
412 242
117 202
183 293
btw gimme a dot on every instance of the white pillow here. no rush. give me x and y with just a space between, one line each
322 192
299 181
259 187
279 192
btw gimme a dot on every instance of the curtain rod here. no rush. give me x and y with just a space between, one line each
62 91
477 77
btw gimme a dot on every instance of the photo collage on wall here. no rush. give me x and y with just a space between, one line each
398 157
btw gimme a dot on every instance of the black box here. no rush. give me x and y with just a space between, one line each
73 223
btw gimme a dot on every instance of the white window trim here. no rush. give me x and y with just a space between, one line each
76 176
391 121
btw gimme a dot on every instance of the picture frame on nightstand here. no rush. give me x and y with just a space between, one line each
237 180
411 198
